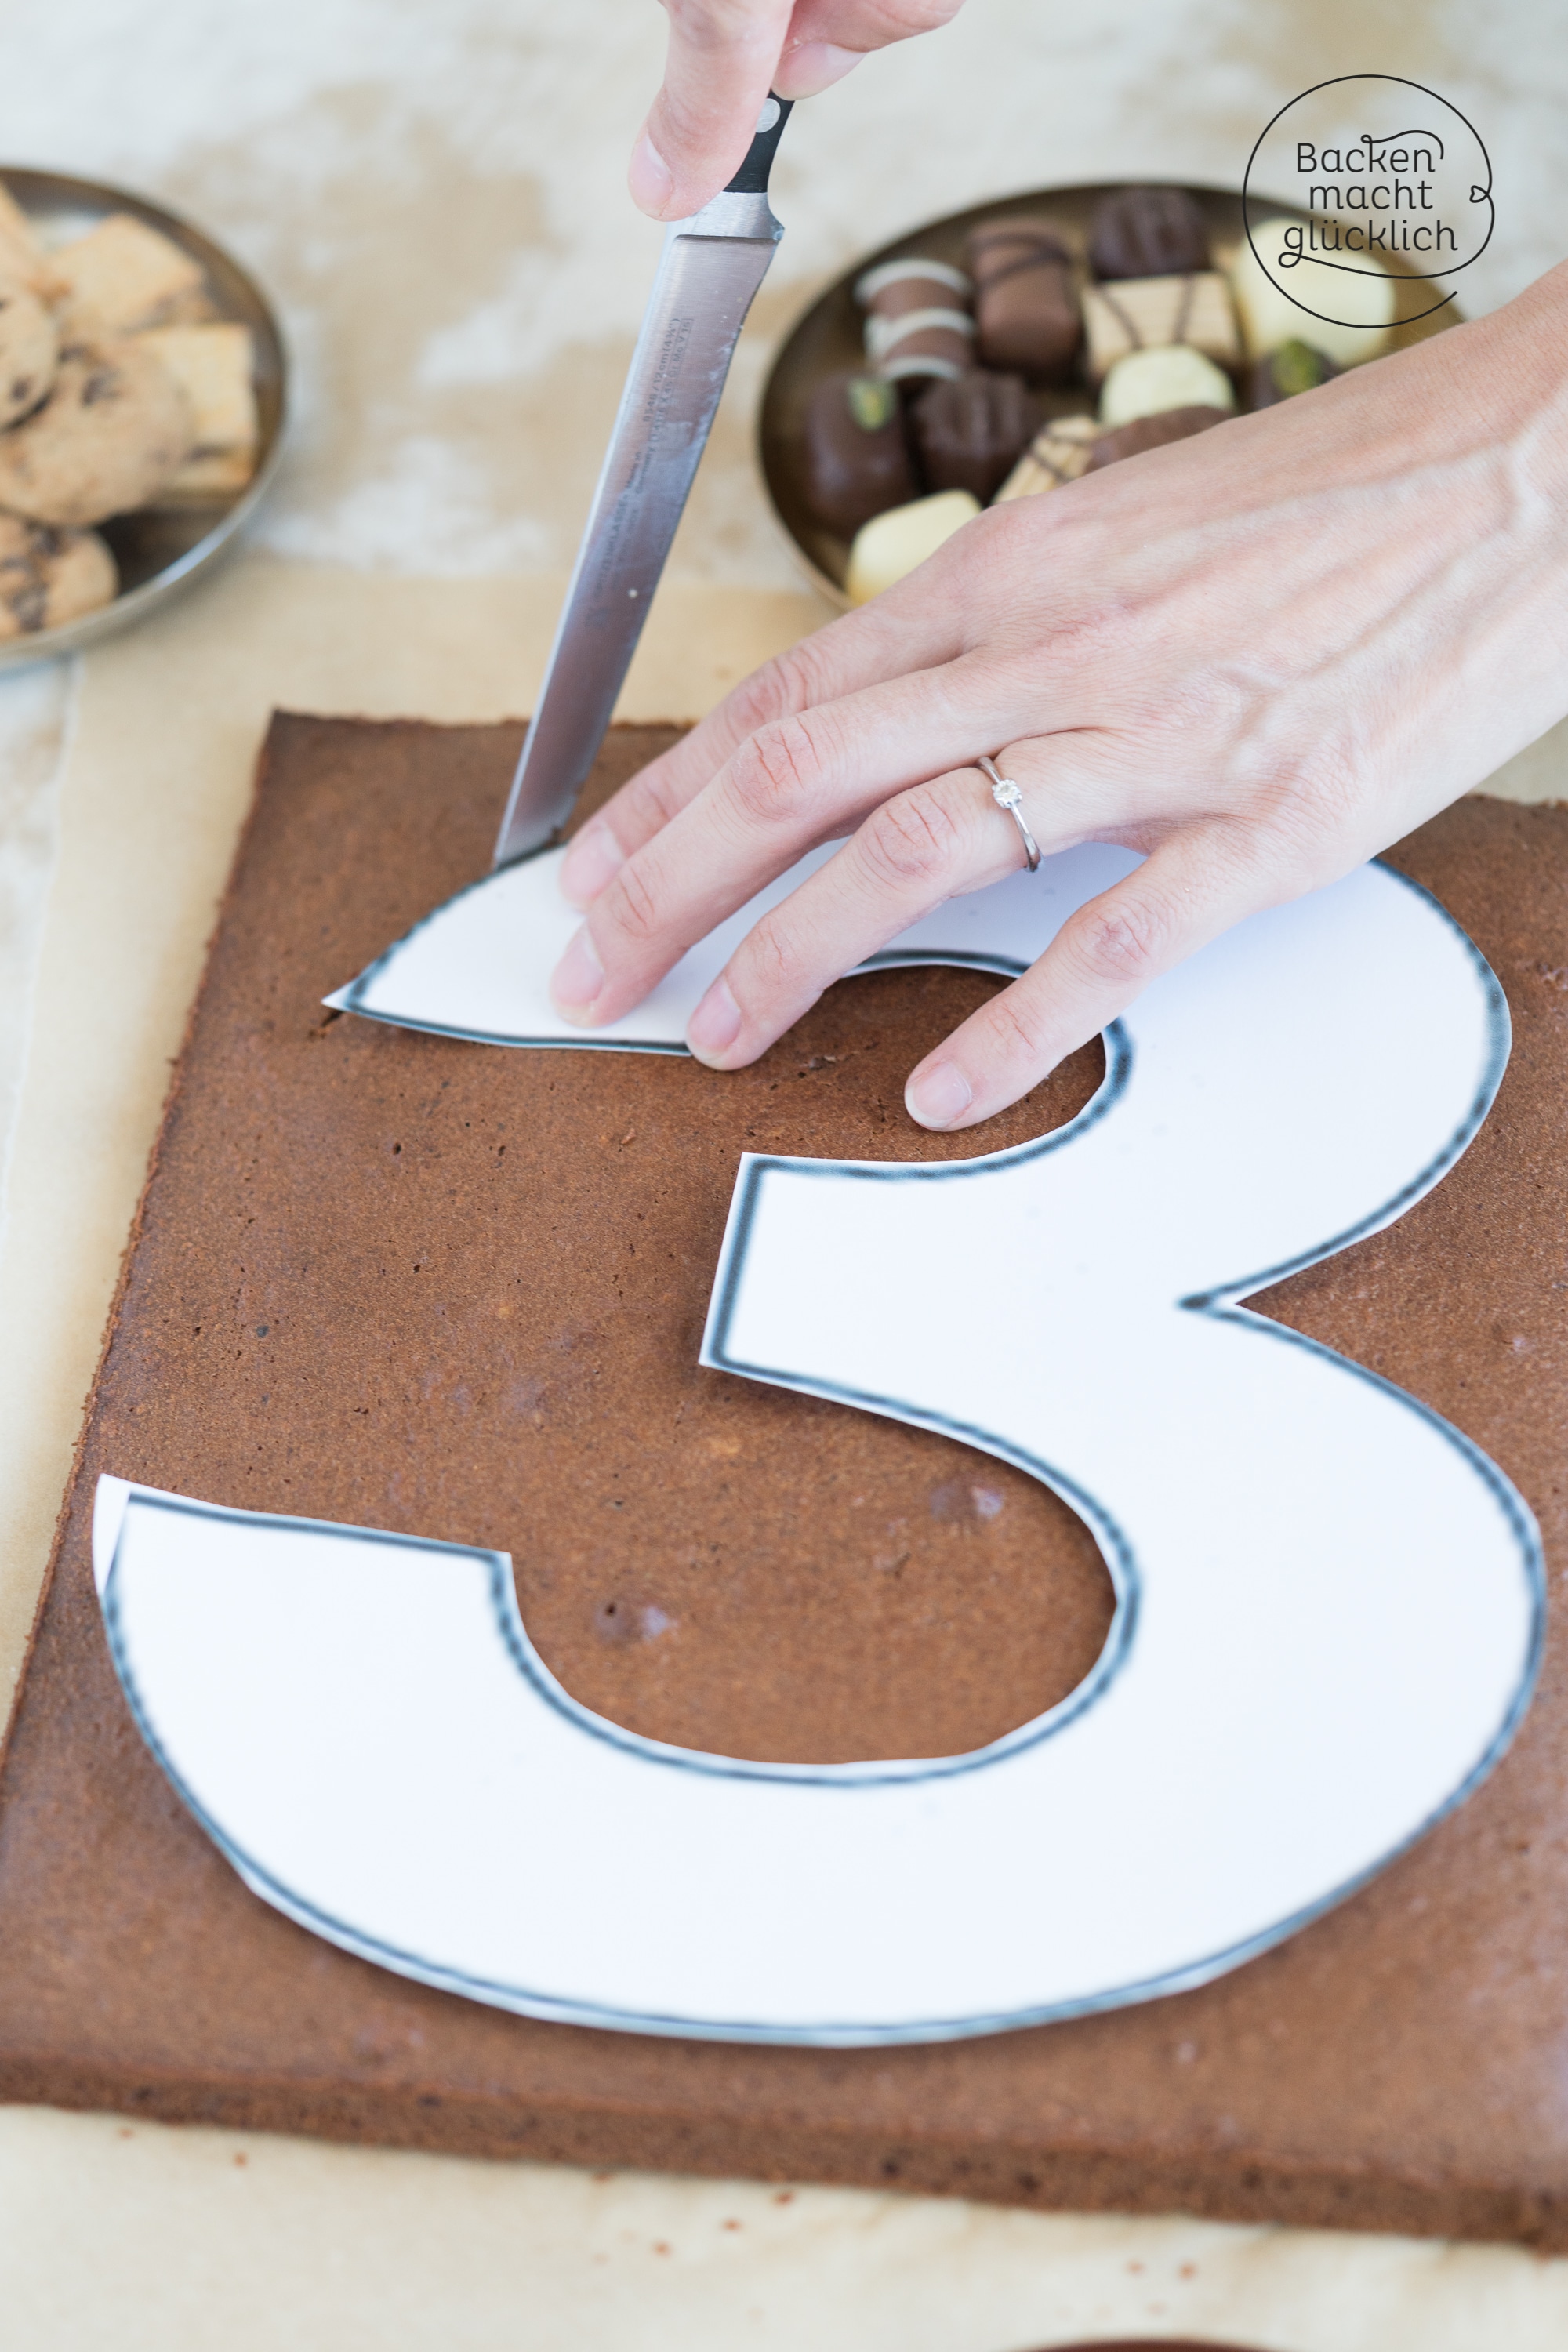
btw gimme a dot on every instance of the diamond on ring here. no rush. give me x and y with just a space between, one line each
1007 795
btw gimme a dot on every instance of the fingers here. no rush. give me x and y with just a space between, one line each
866 648
724 58
1194 885
828 37
794 783
808 67
911 853
716 78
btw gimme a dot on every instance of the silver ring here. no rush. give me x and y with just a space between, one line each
1007 795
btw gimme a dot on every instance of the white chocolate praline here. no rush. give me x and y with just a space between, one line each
892 544
1141 314
1171 375
1059 454
1324 298
893 273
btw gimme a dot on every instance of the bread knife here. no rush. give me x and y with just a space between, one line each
709 274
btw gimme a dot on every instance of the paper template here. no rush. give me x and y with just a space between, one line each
1329 1601
479 966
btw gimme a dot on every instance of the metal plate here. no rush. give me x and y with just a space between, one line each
828 338
162 549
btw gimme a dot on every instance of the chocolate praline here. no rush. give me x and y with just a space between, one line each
1025 311
856 459
971 431
1148 233
1296 366
1152 433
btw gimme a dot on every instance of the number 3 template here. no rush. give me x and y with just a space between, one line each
1329 1601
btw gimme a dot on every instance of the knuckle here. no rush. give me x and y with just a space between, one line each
772 959
760 698
651 800
630 905
774 773
796 677
1018 1028
912 838
1120 940
715 23
1258 848
1208 704
1329 795
786 683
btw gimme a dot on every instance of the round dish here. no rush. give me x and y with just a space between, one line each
160 550
828 337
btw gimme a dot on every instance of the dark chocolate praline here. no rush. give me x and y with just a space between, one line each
1153 433
1148 233
855 456
971 431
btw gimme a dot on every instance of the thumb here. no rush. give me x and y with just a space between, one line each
717 76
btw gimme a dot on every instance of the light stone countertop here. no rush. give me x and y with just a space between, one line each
432 189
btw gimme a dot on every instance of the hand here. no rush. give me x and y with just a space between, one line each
724 58
1259 655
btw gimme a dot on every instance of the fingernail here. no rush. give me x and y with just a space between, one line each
715 1026
938 1095
591 859
813 65
577 979
649 179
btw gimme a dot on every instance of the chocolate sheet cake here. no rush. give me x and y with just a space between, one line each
393 1279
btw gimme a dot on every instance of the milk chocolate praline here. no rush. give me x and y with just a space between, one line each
919 318
970 433
1027 315
1148 233
1152 433
856 460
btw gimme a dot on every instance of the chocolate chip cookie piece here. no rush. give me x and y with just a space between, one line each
123 276
114 429
29 350
50 577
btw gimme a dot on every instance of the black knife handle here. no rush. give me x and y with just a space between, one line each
752 179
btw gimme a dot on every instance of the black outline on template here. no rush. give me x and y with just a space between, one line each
1220 1303
347 998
